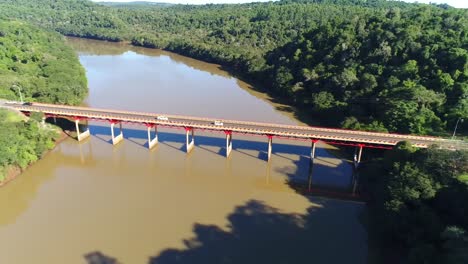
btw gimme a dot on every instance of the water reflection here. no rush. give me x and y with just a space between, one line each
86 47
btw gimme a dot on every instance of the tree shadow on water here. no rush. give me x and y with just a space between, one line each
99 258
259 233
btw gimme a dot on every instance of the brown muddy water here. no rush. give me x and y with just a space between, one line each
93 201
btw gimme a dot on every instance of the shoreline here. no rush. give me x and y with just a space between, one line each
13 172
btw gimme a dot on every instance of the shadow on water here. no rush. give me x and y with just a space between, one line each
202 141
99 258
322 176
262 234
259 233
336 175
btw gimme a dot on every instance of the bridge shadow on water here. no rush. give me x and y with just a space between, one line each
259 233
328 171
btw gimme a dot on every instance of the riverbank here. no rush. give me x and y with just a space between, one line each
11 172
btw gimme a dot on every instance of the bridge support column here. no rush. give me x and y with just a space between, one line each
270 146
80 136
357 161
358 155
311 165
189 144
154 141
116 139
228 142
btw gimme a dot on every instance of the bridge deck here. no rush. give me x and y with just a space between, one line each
329 135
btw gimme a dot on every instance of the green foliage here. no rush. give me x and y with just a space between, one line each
419 202
463 178
46 70
37 116
401 71
39 64
22 142
385 65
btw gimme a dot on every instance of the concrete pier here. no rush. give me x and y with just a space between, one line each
270 147
190 144
81 136
154 141
228 143
116 139
311 164
357 161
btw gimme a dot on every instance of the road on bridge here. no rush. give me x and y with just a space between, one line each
328 135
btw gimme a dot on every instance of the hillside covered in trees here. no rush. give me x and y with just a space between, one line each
376 65
22 142
418 204
40 64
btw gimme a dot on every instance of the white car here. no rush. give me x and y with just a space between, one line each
218 123
163 118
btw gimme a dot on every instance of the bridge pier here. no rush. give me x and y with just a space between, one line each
311 164
80 136
228 142
116 139
189 144
270 147
357 161
152 142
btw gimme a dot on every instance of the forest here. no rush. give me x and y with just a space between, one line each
418 204
372 65
22 142
39 65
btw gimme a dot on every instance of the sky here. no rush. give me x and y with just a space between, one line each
454 3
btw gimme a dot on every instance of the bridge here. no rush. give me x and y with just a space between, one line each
333 136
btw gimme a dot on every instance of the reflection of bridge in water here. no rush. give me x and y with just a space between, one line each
358 139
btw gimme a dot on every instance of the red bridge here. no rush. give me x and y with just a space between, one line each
359 139
151 120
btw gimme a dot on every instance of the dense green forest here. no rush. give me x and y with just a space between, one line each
418 204
374 65
40 65
22 141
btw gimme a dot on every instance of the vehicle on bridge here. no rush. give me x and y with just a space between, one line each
162 118
218 123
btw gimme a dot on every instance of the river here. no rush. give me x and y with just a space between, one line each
92 200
